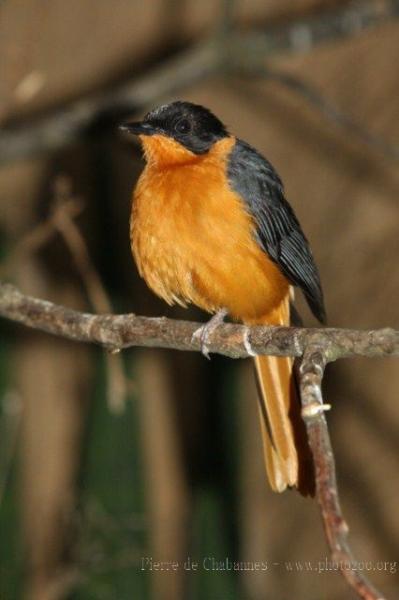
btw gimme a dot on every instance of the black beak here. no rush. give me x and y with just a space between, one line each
138 128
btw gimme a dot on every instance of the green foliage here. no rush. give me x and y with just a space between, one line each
111 537
10 546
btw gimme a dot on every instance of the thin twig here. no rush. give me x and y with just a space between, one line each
76 245
311 375
41 235
118 384
303 34
61 220
337 117
64 126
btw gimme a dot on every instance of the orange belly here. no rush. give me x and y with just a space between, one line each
193 241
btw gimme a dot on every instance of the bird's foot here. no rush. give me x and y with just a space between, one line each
205 331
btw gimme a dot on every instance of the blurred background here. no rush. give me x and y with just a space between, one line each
107 461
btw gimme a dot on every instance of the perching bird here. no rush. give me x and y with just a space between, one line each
210 226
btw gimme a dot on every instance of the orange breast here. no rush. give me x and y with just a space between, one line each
193 240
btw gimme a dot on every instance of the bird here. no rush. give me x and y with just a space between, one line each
210 226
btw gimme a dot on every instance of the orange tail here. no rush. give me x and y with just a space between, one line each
288 457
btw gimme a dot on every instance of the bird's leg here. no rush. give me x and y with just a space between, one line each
205 331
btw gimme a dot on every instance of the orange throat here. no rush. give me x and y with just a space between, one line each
164 151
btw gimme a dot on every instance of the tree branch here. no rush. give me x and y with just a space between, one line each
236 341
311 374
117 383
313 97
327 25
64 126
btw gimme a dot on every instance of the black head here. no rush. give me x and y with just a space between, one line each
192 125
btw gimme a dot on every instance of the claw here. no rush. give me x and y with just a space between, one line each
205 331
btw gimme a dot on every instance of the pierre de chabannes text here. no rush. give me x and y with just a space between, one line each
211 563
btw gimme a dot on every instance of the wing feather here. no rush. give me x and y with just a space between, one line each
278 231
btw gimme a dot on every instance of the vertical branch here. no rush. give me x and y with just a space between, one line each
118 384
311 374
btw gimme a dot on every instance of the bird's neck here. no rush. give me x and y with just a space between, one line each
164 152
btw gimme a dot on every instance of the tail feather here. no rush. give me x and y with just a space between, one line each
287 454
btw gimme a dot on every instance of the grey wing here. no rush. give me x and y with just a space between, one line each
278 231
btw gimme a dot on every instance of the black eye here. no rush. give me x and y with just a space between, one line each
183 126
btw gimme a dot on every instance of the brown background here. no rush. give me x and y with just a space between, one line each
195 425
